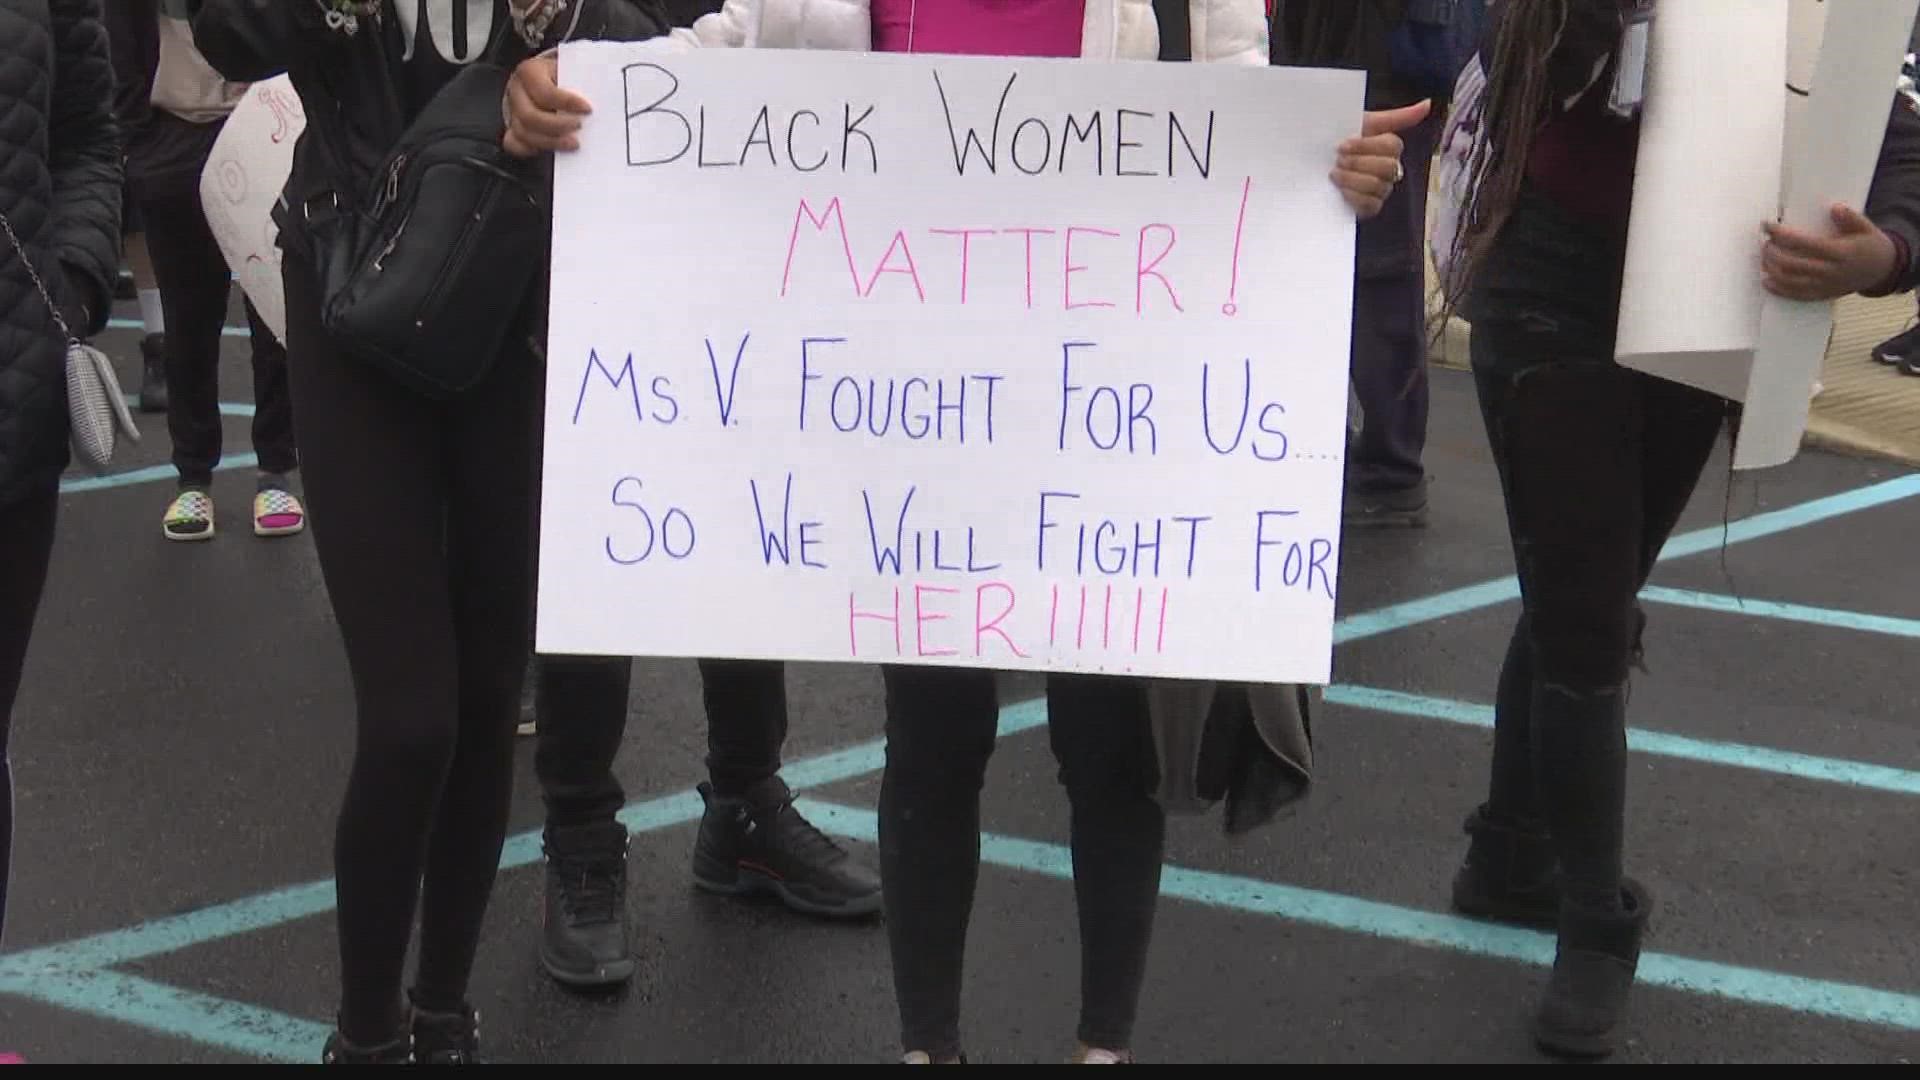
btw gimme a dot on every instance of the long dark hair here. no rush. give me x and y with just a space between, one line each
1518 98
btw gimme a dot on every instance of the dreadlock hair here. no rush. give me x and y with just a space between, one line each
1517 101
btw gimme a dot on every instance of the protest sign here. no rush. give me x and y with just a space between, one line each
242 180
1022 364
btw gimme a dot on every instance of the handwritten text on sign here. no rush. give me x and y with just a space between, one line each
1004 363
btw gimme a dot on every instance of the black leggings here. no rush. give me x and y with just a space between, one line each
941 725
194 286
26 547
1597 463
422 520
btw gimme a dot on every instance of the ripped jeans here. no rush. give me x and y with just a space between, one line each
1596 464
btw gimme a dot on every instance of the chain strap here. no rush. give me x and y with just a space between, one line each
58 319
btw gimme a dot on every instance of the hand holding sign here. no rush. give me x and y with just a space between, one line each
1369 166
1799 265
542 116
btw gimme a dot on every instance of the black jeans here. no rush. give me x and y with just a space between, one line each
26 548
426 548
1597 463
194 285
1389 328
582 709
941 727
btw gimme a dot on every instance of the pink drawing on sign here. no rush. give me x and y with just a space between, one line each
911 271
1232 306
1144 269
966 251
853 622
1030 233
285 113
921 618
820 224
233 180
1053 619
1139 605
1066 285
982 628
1161 645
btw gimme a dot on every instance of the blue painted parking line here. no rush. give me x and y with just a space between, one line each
75 975
264 1033
1858 774
1335 911
1772 609
136 324
1491 593
217 1023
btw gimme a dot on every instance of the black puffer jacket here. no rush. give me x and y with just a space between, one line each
347 80
60 188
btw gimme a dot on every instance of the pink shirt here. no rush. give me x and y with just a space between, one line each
979 27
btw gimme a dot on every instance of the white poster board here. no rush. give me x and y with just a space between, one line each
1020 364
1723 151
243 179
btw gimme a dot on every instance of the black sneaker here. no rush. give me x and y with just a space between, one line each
1382 508
760 843
446 1038
585 938
1902 346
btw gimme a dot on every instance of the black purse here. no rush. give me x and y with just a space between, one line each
425 273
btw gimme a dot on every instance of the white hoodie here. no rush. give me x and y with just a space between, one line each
1224 31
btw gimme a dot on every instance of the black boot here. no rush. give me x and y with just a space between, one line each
446 1038
1510 874
1593 971
153 373
341 1052
585 940
760 843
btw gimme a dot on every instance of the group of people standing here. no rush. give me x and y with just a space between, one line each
424 509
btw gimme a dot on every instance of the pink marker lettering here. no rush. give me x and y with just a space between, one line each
966 251
899 244
1106 622
854 616
921 618
1066 284
1030 233
1139 606
1144 269
1080 630
1161 645
1053 619
982 628
820 225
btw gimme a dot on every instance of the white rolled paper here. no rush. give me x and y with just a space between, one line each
1709 173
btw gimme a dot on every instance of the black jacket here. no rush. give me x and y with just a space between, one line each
1349 34
60 187
1893 202
346 82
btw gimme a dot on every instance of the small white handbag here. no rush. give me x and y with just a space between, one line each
96 408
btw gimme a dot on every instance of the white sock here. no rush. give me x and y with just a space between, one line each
152 313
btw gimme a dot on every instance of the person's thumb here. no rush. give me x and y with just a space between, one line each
1851 222
1393 120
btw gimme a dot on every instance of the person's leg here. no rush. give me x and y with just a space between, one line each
1509 873
153 319
490 453
941 727
1389 371
1578 505
277 511
1103 740
26 549
751 838
581 702
375 469
194 286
